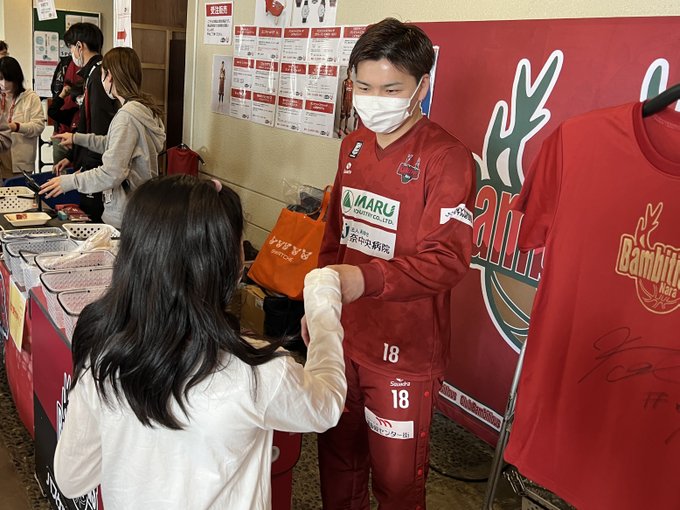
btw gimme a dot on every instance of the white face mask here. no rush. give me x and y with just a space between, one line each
384 114
78 61
108 92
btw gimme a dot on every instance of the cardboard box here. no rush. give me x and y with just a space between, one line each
252 309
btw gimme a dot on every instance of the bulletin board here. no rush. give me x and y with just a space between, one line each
49 47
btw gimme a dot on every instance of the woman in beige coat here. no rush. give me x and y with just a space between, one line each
24 114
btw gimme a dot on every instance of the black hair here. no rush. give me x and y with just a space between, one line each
162 327
10 70
3 46
404 45
86 33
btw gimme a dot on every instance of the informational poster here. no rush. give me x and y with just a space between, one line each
245 41
273 13
289 113
293 80
266 77
350 36
324 45
91 19
46 10
314 13
122 13
322 83
241 105
243 73
295 44
318 118
46 55
221 80
269 43
264 108
218 23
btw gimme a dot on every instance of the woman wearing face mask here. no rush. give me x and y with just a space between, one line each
131 147
24 114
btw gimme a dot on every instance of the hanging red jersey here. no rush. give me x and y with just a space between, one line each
598 409
402 215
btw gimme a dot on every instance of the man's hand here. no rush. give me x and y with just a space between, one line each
351 282
61 166
52 188
65 91
65 139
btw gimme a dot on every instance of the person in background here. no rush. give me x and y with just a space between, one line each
173 390
67 86
131 147
399 233
24 114
4 49
85 41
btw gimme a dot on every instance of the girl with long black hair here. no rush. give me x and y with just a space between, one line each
170 407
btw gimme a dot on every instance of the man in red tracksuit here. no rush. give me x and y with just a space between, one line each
399 232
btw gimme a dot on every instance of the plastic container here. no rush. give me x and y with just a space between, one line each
72 303
54 282
13 252
74 260
15 190
81 231
27 234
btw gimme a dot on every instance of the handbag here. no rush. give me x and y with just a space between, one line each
290 251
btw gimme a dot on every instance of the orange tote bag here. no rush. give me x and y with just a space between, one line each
290 252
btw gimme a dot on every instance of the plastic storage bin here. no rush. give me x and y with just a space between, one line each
29 234
81 231
72 303
74 260
13 252
54 282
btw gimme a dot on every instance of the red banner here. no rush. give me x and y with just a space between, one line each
502 87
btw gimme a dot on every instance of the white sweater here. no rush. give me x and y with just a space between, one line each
29 114
222 459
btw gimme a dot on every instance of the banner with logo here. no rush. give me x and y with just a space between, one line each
502 88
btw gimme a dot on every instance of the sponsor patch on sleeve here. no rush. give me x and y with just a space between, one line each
460 213
389 428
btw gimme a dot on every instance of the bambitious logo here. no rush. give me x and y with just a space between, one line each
507 275
655 267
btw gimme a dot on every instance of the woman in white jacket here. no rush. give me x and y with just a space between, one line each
25 117
170 407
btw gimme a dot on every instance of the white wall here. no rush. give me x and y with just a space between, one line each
255 159
17 18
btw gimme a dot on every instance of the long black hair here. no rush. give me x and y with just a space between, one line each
162 326
10 70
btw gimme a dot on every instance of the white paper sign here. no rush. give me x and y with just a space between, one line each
218 23
122 12
314 13
245 41
289 113
240 104
266 78
322 83
350 36
243 73
264 108
295 44
324 45
318 118
46 10
269 43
